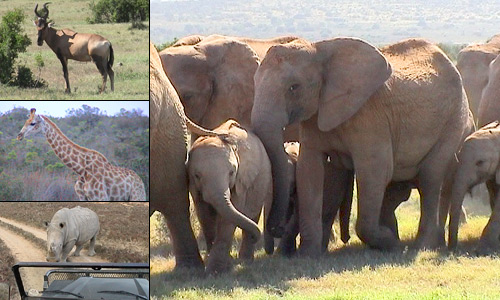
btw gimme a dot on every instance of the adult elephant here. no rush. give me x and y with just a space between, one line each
214 77
473 62
394 115
169 189
489 108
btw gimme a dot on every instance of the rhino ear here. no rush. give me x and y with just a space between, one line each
46 224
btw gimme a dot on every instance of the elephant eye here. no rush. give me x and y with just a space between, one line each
480 163
231 173
294 87
187 97
197 176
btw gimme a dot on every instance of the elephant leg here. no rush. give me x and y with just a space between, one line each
335 192
395 194
218 260
287 245
490 237
207 217
310 181
372 177
247 247
430 233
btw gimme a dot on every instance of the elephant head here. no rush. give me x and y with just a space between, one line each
489 106
330 80
213 166
214 79
478 161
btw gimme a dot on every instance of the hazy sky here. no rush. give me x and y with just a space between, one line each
58 108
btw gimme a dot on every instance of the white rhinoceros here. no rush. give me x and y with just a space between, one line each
70 227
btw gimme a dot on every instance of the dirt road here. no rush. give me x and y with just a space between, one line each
24 250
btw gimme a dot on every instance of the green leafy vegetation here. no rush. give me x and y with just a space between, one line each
30 170
119 11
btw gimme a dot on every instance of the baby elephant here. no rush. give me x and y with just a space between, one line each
229 180
337 197
68 228
478 163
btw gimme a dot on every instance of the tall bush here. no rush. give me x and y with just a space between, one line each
119 11
12 42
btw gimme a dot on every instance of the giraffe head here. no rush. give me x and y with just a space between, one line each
33 125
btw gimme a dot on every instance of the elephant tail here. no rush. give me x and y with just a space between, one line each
345 209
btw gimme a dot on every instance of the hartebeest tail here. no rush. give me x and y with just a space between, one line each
68 44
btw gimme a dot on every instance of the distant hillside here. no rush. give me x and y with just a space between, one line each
378 21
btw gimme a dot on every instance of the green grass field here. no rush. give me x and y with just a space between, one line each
130 50
346 272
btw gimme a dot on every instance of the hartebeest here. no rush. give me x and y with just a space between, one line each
68 44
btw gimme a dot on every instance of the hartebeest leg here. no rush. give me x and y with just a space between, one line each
111 74
64 62
102 67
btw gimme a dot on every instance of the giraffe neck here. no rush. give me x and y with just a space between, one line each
71 154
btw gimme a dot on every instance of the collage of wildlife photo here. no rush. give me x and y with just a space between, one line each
314 149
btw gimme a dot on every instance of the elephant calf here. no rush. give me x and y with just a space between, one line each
333 202
229 180
478 163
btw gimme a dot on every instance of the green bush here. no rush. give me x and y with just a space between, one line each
12 42
24 79
118 11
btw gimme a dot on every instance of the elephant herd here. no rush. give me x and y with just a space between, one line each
391 119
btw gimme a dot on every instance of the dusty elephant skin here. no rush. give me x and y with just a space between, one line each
68 228
479 161
472 63
213 76
489 108
337 197
393 115
229 180
169 190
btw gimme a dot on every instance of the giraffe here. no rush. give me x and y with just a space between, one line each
98 179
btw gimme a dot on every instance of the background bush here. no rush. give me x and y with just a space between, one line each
12 42
119 11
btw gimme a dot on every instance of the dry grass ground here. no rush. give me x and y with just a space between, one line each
130 50
347 272
123 235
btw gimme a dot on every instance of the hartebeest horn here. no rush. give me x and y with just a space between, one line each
36 12
46 9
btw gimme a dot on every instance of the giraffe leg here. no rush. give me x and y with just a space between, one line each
79 189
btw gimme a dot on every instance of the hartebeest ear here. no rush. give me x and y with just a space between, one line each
50 24
353 71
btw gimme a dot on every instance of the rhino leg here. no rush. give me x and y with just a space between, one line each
92 244
77 250
66 250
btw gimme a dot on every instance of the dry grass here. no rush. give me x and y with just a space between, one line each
130 50
345 272
123 234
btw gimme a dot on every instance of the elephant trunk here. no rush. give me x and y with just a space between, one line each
224 207
460 188
271 136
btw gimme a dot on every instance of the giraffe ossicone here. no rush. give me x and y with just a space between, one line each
98 179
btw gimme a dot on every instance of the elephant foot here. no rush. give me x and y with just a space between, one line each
432 240
189 263
287 247
381 238
217 267
488 245
268 243
310 249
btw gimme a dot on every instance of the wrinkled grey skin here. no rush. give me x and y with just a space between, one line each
479 162
397 114
68 228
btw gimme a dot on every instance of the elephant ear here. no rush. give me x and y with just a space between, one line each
354 70
233 65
